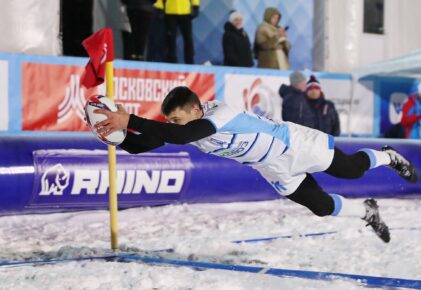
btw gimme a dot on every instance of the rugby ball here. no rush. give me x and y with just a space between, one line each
102 102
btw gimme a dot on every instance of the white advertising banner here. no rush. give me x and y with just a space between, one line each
362 112
259 94
254 93
4 96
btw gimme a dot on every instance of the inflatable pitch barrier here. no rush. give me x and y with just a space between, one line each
70 172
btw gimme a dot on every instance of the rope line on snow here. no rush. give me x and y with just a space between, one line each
369 281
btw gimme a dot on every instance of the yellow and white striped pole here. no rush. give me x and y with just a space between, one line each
112 161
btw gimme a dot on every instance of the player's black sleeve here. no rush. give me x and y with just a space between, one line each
173 133
135 144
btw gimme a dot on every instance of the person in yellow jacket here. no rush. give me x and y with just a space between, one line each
179 13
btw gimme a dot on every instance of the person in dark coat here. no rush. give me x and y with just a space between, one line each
294 103
306 105
236 43
324 115
141 13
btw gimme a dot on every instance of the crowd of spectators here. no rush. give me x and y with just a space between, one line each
303 100
304 103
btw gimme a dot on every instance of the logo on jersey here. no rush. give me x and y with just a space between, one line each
217 142
235 151
278 186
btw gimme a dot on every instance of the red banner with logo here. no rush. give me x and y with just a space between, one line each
53 97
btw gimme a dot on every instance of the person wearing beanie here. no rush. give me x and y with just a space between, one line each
324 115
294 103
236 43
271 45
411 114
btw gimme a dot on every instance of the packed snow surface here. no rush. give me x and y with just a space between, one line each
203 232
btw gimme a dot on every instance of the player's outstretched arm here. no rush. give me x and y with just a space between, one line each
173 133
135 144
165 132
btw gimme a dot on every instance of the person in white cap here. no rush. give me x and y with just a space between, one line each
236 43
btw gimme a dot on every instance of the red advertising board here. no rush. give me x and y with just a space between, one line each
53 98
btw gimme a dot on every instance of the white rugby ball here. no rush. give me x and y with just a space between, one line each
102 102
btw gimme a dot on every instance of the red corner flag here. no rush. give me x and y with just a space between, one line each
100 49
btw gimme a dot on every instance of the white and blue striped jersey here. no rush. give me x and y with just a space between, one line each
242 136
283 152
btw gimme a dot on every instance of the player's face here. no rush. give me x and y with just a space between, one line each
182 116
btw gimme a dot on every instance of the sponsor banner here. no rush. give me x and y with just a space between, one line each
4 96
53 98
259 94
362 116
393 94
79 178
254 93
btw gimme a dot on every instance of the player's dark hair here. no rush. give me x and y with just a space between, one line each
179 97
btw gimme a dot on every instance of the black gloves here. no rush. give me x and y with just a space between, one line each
194 12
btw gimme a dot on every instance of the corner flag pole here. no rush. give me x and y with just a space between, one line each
112 160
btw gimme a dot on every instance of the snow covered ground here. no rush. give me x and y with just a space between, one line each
203 232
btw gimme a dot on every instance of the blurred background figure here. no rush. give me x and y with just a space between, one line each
140 14
77 21
271 45
179 14
411 114
294 104
236 43
156 44
323 114
126 31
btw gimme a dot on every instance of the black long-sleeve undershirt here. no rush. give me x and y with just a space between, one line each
135 144
155 134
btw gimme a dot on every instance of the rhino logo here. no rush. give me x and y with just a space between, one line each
54 180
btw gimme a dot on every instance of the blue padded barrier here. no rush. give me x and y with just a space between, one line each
39 174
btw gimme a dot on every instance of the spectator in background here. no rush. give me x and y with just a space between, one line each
294 105
76 25
411 114
271 45
140 14
156 46
126 31
236 43
324 115
179 13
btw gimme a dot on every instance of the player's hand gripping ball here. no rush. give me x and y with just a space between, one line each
92 118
